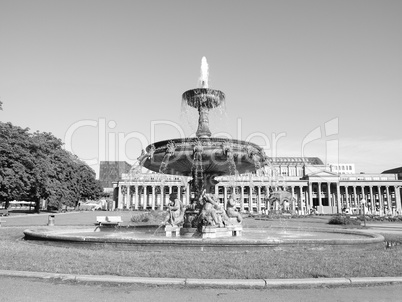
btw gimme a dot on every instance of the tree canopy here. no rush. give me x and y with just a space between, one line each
34 166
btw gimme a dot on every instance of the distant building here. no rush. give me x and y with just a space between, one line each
315 186
397 171
111 171
342 168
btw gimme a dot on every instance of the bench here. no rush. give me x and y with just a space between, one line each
4 212
108 221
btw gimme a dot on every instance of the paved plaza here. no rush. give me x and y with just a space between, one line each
49 291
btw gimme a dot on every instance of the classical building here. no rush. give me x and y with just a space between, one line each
313 185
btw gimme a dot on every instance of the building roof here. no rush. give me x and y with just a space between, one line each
296 160
391 171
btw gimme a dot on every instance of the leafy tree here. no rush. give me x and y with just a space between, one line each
15 163
35 166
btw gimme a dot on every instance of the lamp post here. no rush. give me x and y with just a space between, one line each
363 203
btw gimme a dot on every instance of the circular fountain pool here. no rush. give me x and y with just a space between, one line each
149 237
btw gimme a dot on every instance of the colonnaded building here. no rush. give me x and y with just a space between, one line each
324 189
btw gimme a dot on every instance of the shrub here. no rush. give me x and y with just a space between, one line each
344 220
153 216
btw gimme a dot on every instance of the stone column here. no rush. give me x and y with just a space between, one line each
259 200
380 201
389 204
170 192
338 198
363 197
250 200
309 204
242 199
329 195
145 197
354 197
162 197
128 198
319 197
347 196
398 199
119 199
136 198
153 197
188 197
372 200
181 195
292 192
225 196
301 208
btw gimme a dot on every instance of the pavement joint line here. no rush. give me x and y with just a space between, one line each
191 282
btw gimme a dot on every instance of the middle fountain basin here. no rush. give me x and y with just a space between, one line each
217 156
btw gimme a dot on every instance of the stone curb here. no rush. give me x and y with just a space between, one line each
374 280
306 282
220 283
238 283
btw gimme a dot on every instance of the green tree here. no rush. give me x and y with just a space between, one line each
15 163
35 166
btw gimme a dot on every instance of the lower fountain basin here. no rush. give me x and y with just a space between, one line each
146 238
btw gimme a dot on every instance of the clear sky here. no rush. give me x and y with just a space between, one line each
313 78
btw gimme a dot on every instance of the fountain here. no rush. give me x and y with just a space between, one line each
204 223
204 158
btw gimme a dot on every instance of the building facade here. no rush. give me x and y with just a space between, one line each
315 187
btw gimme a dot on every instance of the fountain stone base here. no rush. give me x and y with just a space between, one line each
172 231
216 232
234 230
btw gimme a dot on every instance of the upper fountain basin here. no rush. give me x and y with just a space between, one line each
217 156
203 97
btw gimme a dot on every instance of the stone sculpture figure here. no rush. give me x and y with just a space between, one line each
212 212
283 198
176 209
231 211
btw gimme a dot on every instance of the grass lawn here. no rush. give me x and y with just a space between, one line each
297 262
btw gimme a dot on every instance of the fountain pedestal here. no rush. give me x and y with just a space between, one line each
172 231
215 232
